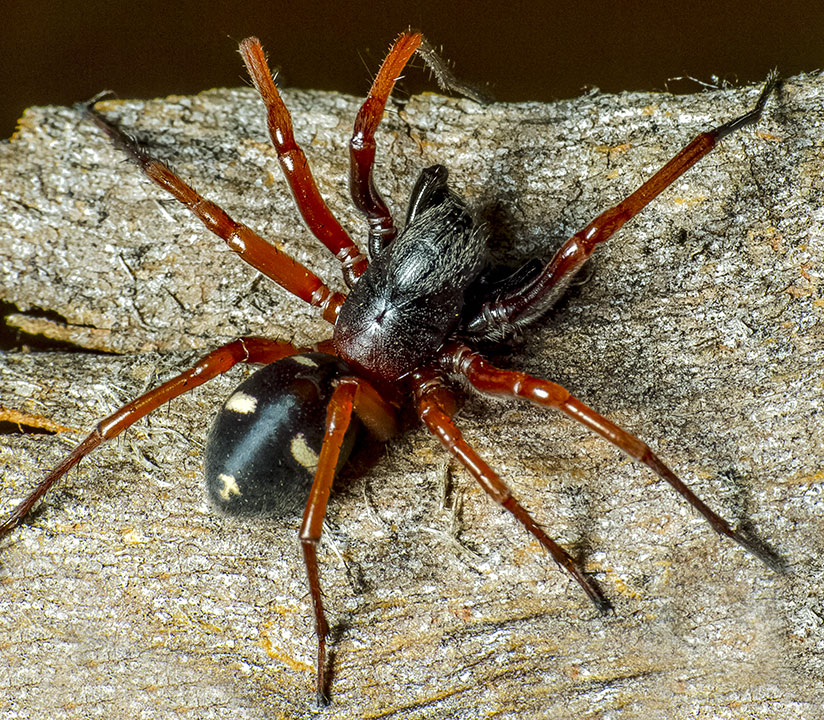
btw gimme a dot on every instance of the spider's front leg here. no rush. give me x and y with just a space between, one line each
315 212
246 350
251 247
350 395
487 378
362 146
436 405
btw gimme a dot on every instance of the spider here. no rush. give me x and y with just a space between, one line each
416 314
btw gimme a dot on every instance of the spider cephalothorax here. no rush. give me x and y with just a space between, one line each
410 325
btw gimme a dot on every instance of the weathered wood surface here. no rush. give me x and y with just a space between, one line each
700 329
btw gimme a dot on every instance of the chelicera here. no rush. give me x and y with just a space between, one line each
416 312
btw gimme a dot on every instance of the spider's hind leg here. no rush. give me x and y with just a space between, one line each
244 350
487 378
435 405
351 395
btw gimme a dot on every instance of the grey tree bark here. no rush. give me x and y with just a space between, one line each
699 328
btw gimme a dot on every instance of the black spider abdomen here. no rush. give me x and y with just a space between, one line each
263 448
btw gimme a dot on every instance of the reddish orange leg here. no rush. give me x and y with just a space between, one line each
217 362
525 305
252 248
435 405
489 379
362 146
314 210
365 194
351 394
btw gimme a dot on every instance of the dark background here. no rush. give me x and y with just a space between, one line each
62 52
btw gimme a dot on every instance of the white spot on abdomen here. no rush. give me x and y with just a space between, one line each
241 403
229 486
303 453
303 360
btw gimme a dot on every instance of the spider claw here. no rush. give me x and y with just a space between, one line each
754 545
605 607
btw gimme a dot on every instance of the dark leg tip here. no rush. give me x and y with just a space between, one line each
762 550
604 606
597 596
